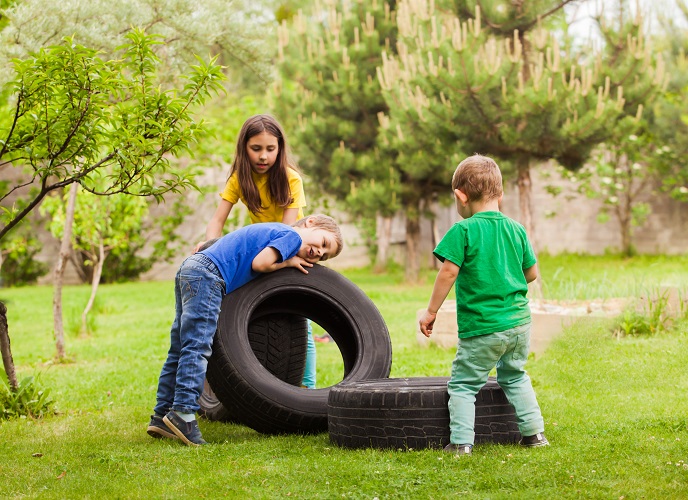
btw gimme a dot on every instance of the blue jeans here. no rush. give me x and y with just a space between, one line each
475 357
309 370
198 291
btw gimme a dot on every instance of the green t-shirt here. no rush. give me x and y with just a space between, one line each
492 251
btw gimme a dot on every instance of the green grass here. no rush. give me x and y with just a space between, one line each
616 410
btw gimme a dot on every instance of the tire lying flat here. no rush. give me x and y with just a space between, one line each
412 413
258 398
279 343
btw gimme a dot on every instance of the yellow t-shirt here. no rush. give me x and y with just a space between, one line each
270 212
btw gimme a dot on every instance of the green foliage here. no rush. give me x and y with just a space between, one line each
654 319
242 34
330 99
29 400
19 265
514 94
106 124
109 221
669 115
128 263
659 310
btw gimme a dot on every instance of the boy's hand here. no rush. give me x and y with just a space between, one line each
299 263
427 321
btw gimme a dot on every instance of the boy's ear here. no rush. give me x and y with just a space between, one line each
461 196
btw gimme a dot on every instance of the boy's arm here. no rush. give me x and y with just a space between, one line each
268 260
531 273
445 280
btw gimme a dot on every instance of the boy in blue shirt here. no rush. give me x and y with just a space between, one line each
490 260
201 282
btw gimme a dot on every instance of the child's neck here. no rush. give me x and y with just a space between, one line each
483 206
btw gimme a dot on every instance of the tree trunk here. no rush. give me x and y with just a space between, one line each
624 215
384 239
434 262
97 272
525 203
624 218
7 360
525 195
412 246
58 278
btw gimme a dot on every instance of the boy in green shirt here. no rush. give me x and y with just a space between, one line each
490 260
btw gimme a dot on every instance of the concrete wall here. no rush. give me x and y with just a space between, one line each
563 224
568 222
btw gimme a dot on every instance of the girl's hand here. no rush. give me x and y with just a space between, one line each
298 263
197 247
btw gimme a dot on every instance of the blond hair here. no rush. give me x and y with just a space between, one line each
322 221
479 178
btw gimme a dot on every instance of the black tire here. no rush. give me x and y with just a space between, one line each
211 408
412 413
259 399
279 343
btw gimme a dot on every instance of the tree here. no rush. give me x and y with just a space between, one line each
58 273
18 265
102 224
641 156
502 79
330 101
670 112
621 174
233 29
106 124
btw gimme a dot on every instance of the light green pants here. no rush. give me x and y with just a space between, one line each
475 357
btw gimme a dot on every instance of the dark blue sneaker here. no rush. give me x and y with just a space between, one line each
158 429
188 432
459 449
535 440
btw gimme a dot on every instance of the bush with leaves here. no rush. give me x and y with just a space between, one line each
19 265
29 399
109 125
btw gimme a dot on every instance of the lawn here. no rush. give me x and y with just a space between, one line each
615 408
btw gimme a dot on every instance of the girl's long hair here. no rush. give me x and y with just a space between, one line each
278 179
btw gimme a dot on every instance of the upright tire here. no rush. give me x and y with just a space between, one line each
412 413
279 342
258 398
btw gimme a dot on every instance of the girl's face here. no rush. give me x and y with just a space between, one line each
262 150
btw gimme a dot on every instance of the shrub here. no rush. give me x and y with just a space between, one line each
654 318
19 265
29 400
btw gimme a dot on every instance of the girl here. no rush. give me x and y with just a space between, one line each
267 182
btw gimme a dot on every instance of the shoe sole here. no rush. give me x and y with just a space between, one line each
178 433
536 445
159 433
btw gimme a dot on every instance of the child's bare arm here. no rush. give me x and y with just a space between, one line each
267 261
216 223
290 216
531 273
445 280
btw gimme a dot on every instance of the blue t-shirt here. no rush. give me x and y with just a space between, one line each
233 254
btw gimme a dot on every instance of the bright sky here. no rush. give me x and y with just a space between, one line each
581 13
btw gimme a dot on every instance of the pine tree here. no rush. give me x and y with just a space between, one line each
501 79
329 100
